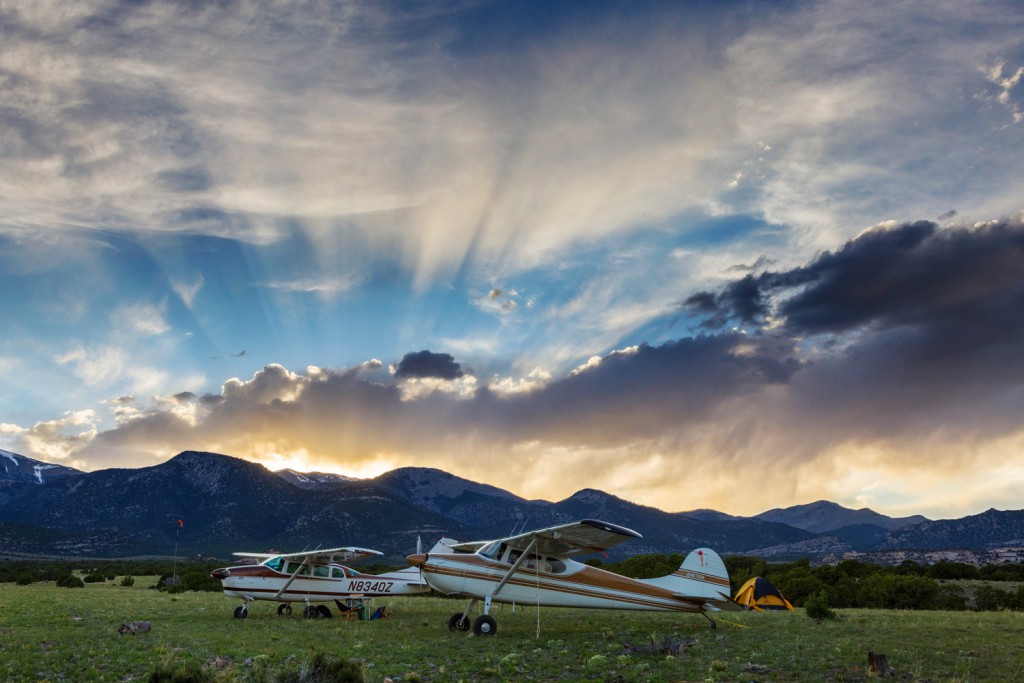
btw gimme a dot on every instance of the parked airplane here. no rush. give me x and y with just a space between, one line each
312 576
535 568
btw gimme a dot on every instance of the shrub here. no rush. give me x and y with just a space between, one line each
95 577
25 578
128 581
817 607
989 599
322 669
183 673
70 581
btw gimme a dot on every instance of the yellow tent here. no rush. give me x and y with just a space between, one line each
761 594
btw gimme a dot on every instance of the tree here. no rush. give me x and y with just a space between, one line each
798 584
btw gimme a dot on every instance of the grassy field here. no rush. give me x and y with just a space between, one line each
60 634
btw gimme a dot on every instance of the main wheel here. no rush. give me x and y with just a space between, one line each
457 623
284 609
324 611
310 612
241 612
485 625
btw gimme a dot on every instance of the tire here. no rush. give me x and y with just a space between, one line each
485 625
310 612
284 609
241 612
457 623
324 611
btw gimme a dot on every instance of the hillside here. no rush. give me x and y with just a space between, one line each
227 504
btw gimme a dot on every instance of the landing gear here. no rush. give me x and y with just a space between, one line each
242 611
458 622
284 609
485 625
310 612
707 616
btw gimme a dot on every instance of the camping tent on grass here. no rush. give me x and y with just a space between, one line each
760 594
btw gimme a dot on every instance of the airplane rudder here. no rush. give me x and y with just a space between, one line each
705 561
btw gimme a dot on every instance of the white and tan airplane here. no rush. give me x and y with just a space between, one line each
312 576
535 568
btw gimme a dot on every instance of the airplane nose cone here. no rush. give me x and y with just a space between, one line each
417 559
221 573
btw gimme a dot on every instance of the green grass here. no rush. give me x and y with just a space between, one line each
60 634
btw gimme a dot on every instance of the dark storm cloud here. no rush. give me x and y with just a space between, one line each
914 328
646 391
427 364
913 274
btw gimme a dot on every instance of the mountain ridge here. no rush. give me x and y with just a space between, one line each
229 504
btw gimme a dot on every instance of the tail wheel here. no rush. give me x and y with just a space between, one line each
485 625
241 612
457 623
284 609
310 612
324 611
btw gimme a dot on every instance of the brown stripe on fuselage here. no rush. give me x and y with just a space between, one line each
700 576
587 582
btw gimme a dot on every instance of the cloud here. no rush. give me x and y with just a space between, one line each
142 320
425 363
98 366
326 288
56 440
188 290
1006 84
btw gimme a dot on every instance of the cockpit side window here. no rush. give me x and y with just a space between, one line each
274 563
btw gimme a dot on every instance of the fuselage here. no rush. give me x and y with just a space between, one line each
547 581
313 582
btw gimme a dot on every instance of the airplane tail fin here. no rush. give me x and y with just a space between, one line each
701 578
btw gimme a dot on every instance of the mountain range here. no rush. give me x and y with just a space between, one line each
226 504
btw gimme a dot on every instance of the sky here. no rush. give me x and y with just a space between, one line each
736 256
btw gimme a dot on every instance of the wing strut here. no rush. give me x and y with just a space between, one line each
291 578
501 584
515 565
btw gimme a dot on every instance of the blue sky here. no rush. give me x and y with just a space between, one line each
663 249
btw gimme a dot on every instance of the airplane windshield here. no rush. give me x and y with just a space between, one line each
274 563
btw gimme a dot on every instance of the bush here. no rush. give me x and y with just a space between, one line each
70 581
989 599
25 578
128 581
322 669
817 607
183 673
95 577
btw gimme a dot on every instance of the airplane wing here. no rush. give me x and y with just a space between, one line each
347 554
576 538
